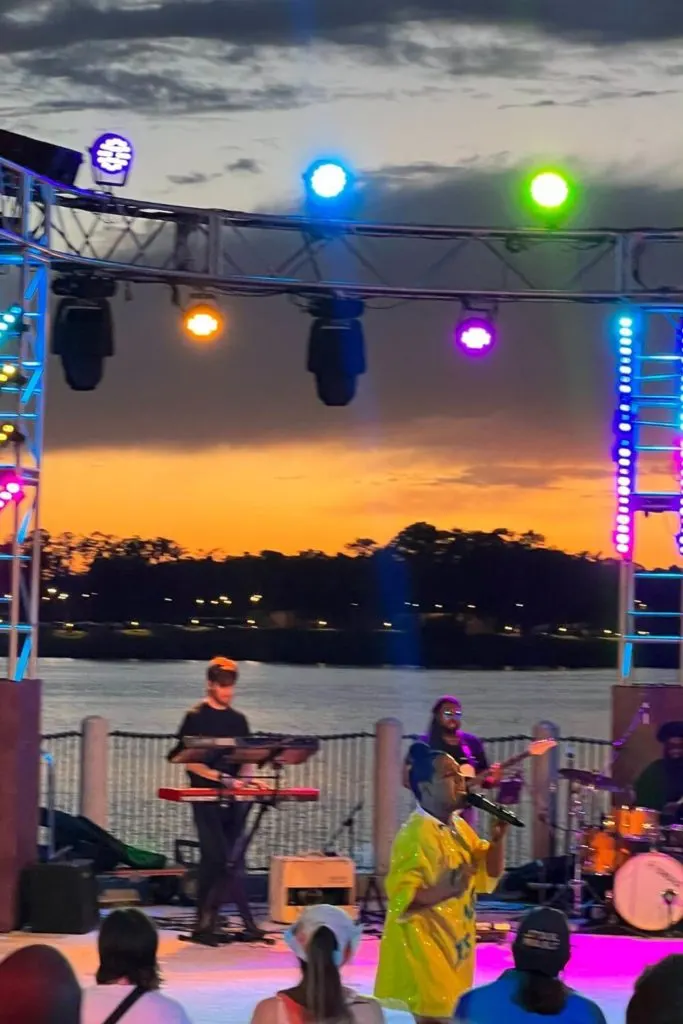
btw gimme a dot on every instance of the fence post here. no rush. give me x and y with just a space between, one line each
544 792
387 790
94 780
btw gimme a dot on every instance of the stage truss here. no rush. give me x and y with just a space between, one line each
47 230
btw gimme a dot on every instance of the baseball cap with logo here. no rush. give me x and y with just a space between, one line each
345 931
542 942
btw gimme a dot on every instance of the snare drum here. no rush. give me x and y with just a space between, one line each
648 892
600 853
634 823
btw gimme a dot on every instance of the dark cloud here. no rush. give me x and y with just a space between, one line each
545 394
193 178
245 165
96 79
591 99
271 22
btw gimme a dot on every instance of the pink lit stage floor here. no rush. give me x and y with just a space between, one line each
218 985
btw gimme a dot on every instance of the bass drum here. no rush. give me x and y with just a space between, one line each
648 892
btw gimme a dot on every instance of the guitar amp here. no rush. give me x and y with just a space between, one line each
298 882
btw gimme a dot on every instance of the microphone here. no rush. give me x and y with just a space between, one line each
645 713
496 810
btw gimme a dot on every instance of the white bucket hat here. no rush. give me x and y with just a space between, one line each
346 932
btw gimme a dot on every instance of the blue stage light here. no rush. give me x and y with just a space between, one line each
327 180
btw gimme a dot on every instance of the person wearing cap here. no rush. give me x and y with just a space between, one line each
323 939
438 865
532 989
219 825
660 785
658 994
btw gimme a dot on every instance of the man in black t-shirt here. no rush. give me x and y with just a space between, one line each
219 826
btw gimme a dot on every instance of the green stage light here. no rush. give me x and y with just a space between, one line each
550 191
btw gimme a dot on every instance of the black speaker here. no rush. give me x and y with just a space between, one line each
48 161
60 899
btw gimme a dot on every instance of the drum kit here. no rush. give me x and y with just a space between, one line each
632 859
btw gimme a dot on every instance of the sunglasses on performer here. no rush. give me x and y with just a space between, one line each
452 714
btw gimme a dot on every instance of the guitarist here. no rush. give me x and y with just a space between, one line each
446 735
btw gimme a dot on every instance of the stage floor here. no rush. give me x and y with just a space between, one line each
216 985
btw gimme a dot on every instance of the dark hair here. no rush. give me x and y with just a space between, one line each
658 993
323 989
128 944
38 986
219 674
421 760
435 729
537 993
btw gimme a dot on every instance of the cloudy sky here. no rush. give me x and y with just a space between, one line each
441 106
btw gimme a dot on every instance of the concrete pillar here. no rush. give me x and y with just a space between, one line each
19 789
94 791
544 780
387 790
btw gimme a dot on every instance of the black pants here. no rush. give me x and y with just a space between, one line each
221 877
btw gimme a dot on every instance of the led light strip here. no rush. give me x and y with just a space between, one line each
679 353
624 448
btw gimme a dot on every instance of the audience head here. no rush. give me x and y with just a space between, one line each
38 986
436 780
324 938
658 994
541 952
128 945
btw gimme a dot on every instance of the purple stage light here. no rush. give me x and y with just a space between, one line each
625 448
111 157
475 335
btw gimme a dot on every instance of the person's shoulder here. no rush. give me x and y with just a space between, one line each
470 738
267 1009
583 1010
163 1009
196 710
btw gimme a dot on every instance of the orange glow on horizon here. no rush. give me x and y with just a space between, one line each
321 496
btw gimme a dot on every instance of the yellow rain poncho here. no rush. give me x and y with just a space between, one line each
426 958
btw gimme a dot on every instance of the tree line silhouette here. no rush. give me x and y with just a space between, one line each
476 580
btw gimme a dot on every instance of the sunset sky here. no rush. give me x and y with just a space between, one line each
440 108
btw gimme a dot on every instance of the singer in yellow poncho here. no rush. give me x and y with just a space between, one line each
438 865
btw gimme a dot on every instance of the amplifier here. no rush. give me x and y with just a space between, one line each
60 898
299 882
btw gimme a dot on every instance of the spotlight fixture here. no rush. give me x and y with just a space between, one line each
10 320
202 319
10 490
329 188
10 435
83 329
550 193
111 160
475 335
10 376
336 349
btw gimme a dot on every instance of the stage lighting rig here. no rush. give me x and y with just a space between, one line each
329 187
550 195
10 489
83 331
10 321
111 160
9 435
336 348
475 332
202 320
11 376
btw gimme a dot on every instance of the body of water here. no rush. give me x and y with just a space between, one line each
153 696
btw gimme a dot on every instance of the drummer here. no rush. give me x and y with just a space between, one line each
660 785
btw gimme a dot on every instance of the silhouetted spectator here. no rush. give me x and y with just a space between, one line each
541 952
658 994
324 939
38 986
129 973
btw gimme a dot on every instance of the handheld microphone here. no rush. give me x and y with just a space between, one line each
645 713
496 810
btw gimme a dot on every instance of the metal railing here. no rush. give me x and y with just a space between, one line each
340 821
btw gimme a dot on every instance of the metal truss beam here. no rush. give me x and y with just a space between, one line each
269 254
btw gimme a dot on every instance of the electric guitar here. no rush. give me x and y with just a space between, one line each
537 748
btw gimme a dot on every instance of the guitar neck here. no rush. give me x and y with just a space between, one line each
510 763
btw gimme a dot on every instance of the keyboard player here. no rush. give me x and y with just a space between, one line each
219 825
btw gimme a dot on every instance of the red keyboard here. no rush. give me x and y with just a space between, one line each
245 794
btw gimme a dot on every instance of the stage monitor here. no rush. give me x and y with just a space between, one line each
43 158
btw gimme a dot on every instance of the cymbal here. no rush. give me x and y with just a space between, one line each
590 780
